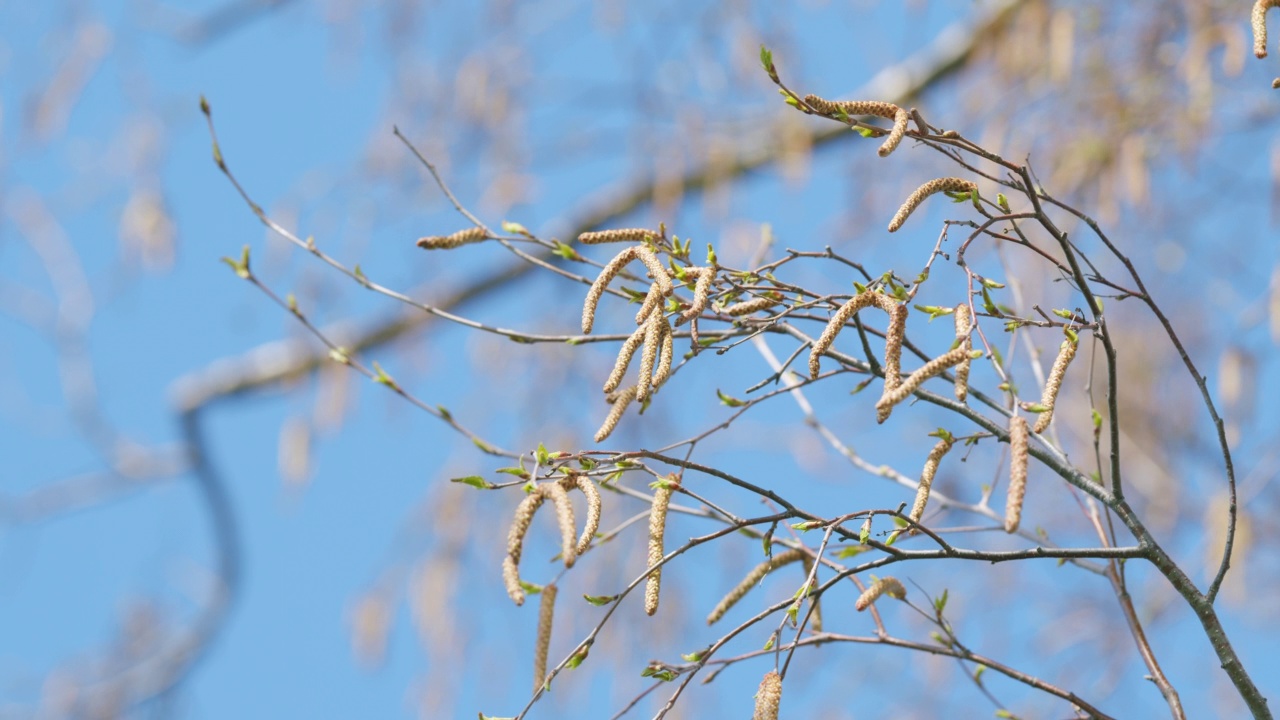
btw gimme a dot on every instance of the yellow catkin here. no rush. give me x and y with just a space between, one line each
747 307
947 184
884 586
592 493
654 265
752 579
934 367
964 323
448 242
607 274
618 235
768 697
852 108
620 403
625 354
1017 473
652 342
701 292
893 345
1054 383
926 478
657 529
666 355
546 613
1259 22
564 517
515 545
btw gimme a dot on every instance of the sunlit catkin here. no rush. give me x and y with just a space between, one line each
947 184
913 382
1054 383
701 292
752 579
1017 473
448 242
652 341
893 343
546 612
853 108
964 321
659 273
1259 22
926 478
768 697
666 355
564 517
607 274
884 586
623 399
515 544
747 307
592 493
625 354
618 235
657 529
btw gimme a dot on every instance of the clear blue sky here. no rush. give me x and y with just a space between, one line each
304 98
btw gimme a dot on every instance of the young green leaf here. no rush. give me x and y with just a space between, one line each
474 481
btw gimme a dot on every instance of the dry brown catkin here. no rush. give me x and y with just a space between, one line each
1018 441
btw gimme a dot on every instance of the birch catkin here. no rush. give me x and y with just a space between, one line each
448 242
964 323
657 529
947 184
893 338
618 235
884 586
934 367
926 478
768 697
852 108
515 545
752 579
1259 22
564 517
1053 384
1017 473
701 292
620 403
625 354
592 494
607 274
747 307
652 341
666 355
546 612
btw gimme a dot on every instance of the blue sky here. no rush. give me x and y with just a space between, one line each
304 98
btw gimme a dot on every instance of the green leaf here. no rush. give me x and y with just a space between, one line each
634 296
807 525
726 400
531 588
693 656
516 229
1063 313
1097 419
851 550
988 304
599 600
864 132
577 659
766 59
542 455
494 717
977 672
292 303
564 251
474 481
1003 202
1072 337
359 275
381 377
517 471
711 256
483 445
940 603
769 645
1036 408
988 282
